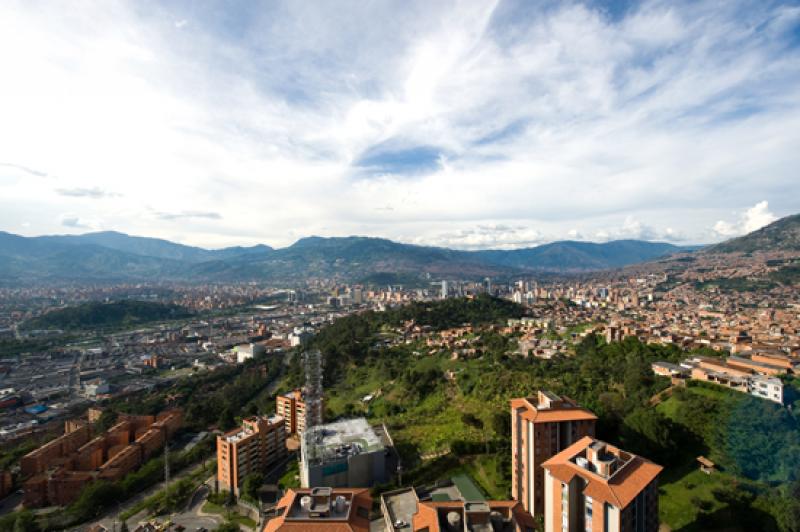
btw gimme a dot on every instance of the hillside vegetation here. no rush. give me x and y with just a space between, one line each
783 234
450 415
103 315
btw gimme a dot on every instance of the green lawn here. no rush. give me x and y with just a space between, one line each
291 478
680 501
212 508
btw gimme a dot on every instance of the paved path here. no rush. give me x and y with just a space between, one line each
109 519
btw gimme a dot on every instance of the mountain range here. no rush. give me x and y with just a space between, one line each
113 256
116 257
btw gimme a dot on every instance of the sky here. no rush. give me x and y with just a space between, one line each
462 124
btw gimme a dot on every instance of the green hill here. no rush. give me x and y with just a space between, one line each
102 315
781 235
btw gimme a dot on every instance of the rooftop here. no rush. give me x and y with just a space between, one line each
547 407
246 429
340 440
610 474
322 509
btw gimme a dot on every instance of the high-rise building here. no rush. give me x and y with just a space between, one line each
541 427
292 407
444 290
594 486
252 448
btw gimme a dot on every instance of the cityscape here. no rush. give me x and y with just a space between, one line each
387 267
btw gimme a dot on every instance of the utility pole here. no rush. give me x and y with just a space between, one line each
166 476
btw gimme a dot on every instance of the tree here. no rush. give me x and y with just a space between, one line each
501 423
26 522
226 420
95 498
646 432
250 486
106 420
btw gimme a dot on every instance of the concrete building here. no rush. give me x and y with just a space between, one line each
737 377
770 388
322 510
597 487
541 427
249 351
347 453
252 448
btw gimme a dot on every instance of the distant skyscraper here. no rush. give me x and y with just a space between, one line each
444 289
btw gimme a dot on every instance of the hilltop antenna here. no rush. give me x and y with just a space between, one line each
313 399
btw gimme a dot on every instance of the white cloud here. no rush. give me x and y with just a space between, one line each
93 193
73 221
248 128
750 220
484 236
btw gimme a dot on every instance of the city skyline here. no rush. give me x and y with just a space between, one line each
488 125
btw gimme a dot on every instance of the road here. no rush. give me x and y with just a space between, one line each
109 520
10 503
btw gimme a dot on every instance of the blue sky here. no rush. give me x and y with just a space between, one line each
469 124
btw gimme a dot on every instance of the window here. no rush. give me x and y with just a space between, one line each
588 514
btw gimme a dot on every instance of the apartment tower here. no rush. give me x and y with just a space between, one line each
252 448
541 427
593 486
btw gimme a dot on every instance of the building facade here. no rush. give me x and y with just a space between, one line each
252 448
541 427
57 471
292 407
593 486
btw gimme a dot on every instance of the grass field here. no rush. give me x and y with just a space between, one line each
291 478
212 508
690 500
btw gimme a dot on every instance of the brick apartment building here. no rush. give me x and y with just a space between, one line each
292 407
252 448
57 471
593 486
541 427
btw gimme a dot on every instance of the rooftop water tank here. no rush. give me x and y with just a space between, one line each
454 520
305 502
